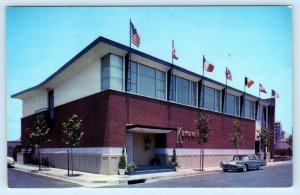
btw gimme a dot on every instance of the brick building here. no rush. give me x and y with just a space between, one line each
140 101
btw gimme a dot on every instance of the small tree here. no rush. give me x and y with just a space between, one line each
173 162
73 133
203 127
122 161
39 134
203 134
289 141
265 136
236 138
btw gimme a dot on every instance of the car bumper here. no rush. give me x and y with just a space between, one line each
232 167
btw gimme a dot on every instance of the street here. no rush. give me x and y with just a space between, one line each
20 179
273 176
270 176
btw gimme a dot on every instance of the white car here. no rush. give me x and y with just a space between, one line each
10 161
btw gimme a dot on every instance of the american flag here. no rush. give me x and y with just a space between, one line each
262 89
228 74
135 38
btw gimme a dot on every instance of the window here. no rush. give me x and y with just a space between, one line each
232 105
183 86
173 88
183 91
51 103
160 85
112 72
194 93
248 111
210 98
132 77
146 81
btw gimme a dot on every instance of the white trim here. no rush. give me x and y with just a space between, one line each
92 150
196 151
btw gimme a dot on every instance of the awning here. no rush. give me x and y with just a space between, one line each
148 129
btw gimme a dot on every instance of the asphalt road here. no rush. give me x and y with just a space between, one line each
275 176
20 179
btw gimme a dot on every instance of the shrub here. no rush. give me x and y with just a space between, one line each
122 162
173 162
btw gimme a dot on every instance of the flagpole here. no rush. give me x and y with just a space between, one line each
130 33
203 67
245 85
172 52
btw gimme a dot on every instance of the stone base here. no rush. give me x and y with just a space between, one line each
91 163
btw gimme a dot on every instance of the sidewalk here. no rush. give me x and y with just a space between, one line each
97 180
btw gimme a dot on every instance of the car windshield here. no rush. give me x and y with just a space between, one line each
240 158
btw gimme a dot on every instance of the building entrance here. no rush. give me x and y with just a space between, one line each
144 148
142 141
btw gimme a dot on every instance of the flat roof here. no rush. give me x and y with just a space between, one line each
134 51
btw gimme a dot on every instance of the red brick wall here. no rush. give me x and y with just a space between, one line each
150 112
93 112
106 114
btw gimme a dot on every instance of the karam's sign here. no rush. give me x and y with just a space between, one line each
186 135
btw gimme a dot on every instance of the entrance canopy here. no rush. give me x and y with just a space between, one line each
148 129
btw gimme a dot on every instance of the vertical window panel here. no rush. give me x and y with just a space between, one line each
146 81
160 85
112 72
182 90
210 99
193 93
232 105
132 77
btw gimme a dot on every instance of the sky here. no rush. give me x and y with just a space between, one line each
252 41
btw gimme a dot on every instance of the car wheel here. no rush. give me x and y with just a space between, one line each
225 170
245 168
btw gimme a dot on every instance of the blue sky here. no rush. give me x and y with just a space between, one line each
39 40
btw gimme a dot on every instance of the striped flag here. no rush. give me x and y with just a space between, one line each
228 74
262 89
208 67
135 38
275 94
174 56
248 82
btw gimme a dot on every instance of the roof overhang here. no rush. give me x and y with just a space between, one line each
148 129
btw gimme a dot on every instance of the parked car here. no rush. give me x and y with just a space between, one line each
243 163
10 161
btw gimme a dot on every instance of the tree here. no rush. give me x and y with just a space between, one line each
236 138
203 127
173 162
203 134
122 161
289 141
73 133
265 136
39 134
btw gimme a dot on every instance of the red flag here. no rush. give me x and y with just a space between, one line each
228 74
207 66
248 82
174 56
